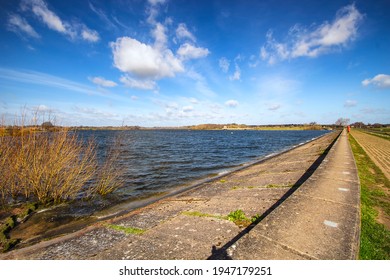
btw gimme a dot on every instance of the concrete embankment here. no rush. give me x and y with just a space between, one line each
304 204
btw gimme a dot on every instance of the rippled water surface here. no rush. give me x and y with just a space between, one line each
158 160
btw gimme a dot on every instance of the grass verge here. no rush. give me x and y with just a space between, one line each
127 230
375 189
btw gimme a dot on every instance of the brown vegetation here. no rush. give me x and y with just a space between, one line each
52 166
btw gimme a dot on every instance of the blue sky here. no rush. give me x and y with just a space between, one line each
176 62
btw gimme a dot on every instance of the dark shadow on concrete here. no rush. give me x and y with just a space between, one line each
222 254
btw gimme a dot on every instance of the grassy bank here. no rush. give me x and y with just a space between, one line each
375 207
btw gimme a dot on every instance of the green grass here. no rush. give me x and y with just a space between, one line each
374 238
127 230
238 217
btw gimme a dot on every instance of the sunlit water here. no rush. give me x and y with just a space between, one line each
158 160
158 163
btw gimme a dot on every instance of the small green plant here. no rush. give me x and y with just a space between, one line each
127 230
271 186
222 181
238 217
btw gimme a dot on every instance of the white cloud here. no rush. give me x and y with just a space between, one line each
42 108
153 11
188 109
159 36
188 51
102 82
232 103
224 64
380 80
274 107
312 42
40 9
201 83
132 56
193 100
350 103
236 75
90 35
18 24
138 84
33 77
144 63
183 33
134 97
155 2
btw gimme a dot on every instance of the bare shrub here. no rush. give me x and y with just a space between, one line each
109 173
53 166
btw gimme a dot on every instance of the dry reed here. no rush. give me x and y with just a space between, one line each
52 167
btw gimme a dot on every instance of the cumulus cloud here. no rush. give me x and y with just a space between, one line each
144 63
224 64
143 60
138 83
312 42
19 25
183 33
350 103
40 9
232 103
102 82
188 51
380 80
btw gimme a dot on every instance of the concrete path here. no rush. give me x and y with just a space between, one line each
305 205
320 221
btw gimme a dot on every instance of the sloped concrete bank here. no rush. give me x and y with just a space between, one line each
194 223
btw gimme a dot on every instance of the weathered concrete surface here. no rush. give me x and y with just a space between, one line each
290 222
320 221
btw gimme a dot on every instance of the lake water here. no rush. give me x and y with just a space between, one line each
156 161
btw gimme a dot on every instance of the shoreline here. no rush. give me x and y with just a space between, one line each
197 187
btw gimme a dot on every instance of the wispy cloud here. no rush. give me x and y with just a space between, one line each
224 64
232 103
100 81
72 30
39 78
19 25
236 76
350 103
138 84
182 32
274 107
380 80
312 42
102 15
